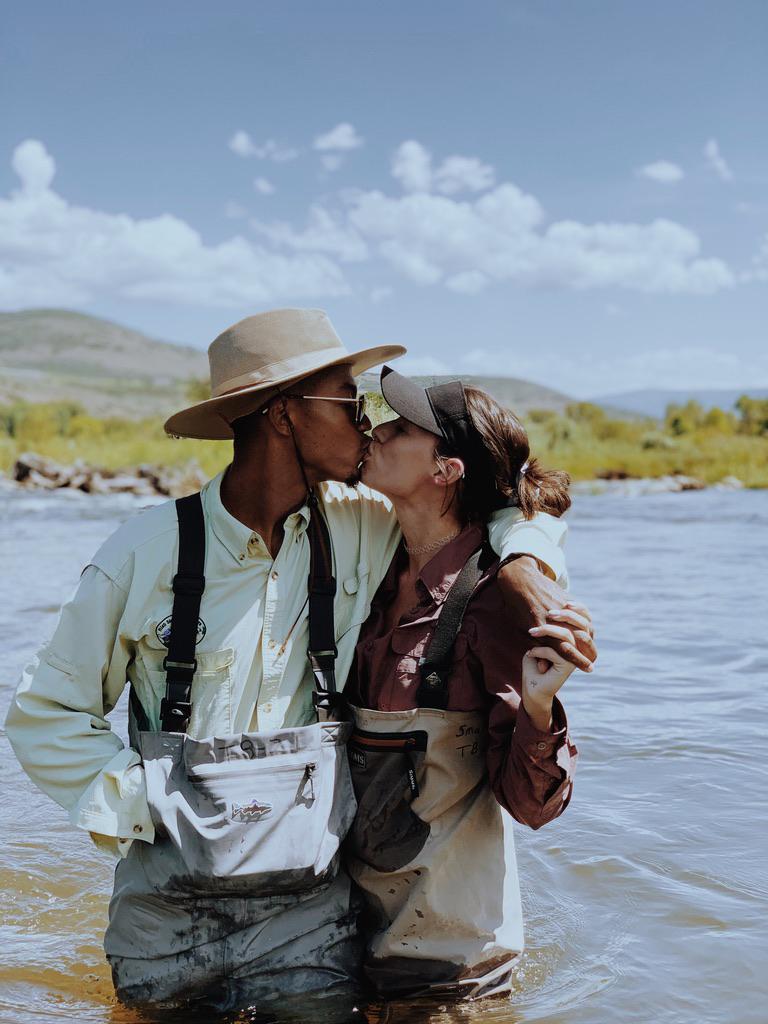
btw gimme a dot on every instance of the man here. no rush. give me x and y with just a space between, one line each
283 388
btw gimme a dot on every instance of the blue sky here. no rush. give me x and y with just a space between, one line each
574 192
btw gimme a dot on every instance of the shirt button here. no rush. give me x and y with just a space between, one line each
138 828
542 746
267 708
369 645
275 575
242 558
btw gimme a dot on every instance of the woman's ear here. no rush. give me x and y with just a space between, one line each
449 471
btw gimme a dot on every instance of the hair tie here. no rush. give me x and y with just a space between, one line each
521 473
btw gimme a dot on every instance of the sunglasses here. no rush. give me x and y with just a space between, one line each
359 403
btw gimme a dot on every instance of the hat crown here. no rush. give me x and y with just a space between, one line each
266 348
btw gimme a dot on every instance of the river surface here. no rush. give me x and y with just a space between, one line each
646 902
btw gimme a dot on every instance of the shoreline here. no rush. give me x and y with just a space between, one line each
37 473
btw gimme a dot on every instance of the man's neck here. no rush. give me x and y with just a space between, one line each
260 489
423 526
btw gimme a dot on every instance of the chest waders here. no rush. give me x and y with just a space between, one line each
248 826
430 846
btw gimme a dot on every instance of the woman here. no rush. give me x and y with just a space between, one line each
455 718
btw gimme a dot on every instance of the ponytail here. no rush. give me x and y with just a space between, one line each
503 472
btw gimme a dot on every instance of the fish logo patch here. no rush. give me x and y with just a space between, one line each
163 630
254 811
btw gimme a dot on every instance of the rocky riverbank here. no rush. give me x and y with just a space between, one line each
35 472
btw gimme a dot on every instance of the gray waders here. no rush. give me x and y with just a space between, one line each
240 897
430 847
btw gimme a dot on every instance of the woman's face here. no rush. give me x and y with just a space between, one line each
401 459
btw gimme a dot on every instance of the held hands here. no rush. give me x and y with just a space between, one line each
545 670
532 599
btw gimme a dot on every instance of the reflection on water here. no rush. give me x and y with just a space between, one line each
645 903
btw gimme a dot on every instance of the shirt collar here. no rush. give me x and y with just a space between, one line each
240 540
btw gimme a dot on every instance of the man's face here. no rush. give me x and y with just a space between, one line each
331 445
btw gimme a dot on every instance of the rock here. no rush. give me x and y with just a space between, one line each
730 483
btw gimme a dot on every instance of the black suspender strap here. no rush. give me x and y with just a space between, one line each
322 650
436 664
188 587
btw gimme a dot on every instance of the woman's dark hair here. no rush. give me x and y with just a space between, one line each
492 475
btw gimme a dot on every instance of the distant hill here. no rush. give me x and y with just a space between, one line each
56 355
654 402
519 395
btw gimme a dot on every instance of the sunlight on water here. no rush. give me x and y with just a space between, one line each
645 903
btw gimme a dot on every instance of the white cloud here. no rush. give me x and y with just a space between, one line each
323 234
34 166
717 160
52 252
412 167
263 186
243 145
501 237
460 173
663 171
343 137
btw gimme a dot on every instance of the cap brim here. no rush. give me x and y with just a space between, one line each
409 400
211 420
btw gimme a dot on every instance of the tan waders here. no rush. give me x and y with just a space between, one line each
430 847
240 898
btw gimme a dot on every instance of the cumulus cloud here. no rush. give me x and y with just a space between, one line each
412 167
53 252
663 171
463 173
263 186
342 137
243 145
502 236
717 161
323 233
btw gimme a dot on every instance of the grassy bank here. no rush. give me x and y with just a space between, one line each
707 445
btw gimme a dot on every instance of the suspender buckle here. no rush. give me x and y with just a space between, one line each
188 585
180 668
175 715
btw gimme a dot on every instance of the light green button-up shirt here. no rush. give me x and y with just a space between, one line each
253 671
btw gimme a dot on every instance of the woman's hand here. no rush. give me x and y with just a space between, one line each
545 670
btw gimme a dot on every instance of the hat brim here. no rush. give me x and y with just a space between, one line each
211 420
409 400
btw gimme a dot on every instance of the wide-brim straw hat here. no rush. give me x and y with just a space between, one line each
253 358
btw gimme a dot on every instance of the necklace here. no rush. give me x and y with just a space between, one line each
423 548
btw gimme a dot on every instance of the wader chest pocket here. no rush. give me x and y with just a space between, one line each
386 833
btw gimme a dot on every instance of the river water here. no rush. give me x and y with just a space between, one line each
646 902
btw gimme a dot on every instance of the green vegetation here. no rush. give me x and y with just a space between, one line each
709 445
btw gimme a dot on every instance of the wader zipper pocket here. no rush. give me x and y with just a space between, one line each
408 743
384 765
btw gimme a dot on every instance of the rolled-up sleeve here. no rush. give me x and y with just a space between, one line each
543 537
57 721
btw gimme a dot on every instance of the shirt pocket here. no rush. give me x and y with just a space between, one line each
352 603
211 694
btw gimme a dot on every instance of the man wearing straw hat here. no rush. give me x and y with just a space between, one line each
282 388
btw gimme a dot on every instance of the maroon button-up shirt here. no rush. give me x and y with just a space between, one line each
531 772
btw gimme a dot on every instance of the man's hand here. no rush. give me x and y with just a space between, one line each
532 599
